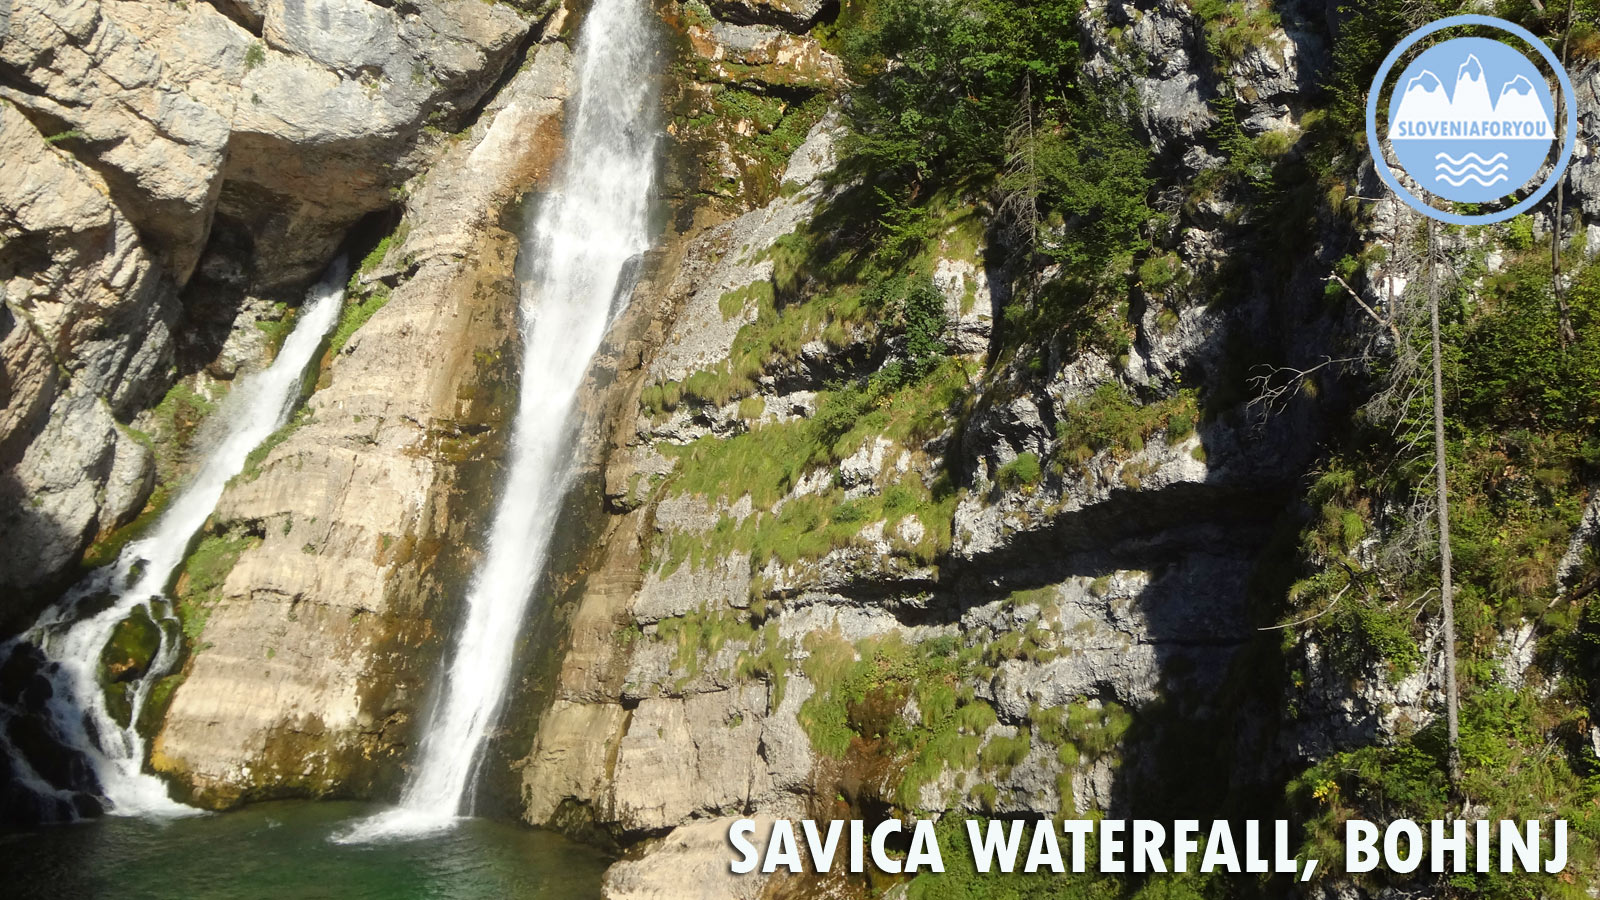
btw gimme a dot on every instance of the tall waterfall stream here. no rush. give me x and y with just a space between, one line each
588 232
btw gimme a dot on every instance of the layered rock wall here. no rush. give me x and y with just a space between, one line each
324 641
236 142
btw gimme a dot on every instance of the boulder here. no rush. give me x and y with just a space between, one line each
797 16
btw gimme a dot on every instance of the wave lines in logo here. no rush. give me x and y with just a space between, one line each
1471 167
1471 157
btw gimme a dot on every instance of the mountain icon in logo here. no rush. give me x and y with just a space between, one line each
1479 135
1427 112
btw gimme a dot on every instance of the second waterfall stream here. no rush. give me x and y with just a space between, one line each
576 257
69 643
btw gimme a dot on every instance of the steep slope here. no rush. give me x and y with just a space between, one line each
318 643
874 548
232 152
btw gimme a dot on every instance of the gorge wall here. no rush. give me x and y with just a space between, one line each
849 545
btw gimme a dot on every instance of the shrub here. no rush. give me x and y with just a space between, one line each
355 314
1020 472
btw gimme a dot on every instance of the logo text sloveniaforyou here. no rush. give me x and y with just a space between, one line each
1471 120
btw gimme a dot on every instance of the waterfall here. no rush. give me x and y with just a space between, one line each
71 635
588 231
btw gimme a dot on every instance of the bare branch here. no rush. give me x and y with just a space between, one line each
1369 310
1273 397
1331 604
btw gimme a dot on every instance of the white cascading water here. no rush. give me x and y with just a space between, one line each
587 233
258 405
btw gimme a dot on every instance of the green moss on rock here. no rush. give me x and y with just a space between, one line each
125 659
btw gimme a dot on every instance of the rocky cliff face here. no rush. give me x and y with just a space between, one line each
87 341
230 148
706 653
362 516
1028 579
970 596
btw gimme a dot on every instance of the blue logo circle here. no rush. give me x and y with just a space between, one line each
1471 120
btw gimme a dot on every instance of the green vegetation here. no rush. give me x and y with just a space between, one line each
58 137
767 462
861 691
864 689
734 302
358 308
1234 28
762 129
1521 451
1083 730
254 55
1508 767
985 95
700 635
363 300
839 303
252 462
126 657
380 252
1110 419
201 579
276 330
106 549
1512 368
1021 472
1160 272
978 129
176 419
940 80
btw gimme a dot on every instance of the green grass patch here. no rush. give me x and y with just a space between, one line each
766 462
202 576
277 330
700 635
862 689
1110 419
1021 472
357 310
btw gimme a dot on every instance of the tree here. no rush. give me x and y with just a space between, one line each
1568 333
1442 487
1396 401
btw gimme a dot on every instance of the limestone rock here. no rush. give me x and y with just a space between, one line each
1585 539
569 760
705 752
80 475
763 54
366 512
1173 94
691 863
793 15
187 114
85 336
732 256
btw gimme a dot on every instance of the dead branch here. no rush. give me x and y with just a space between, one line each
1386 323
1331 604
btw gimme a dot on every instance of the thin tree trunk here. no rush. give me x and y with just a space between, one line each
1568 334
1446 588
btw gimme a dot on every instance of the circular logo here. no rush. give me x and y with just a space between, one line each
1471 120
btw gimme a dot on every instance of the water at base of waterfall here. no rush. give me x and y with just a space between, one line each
282 850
